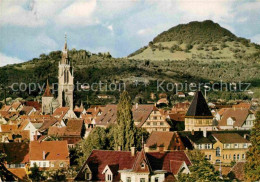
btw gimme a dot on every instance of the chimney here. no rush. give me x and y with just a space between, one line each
205 132
133 151
136 105
43 155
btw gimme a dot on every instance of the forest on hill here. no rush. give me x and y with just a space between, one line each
212 55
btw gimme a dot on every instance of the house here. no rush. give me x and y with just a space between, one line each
72 133
181 95
150 118
17 154
107 117
49 154
17 106
198 116
105 165
32 127
220 146
34 104
27 110
63 113
164 141
237 118
79 110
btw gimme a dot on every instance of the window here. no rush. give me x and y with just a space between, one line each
44 164
88 176
142 165
128 179
154 123
52 165
227 145
156 179
209 157
229 156
61 164
109 177
39 164
226 156
217 151
245 145
243 156
155 118
199 146
142 180
238 156
179 148
161 123
236 145
148 123
217 161
234 156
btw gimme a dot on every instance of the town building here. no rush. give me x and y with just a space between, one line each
49 154
220 146
104 165
198 116
236 118
164 141
65 86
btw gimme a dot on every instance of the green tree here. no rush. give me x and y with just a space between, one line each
36 174
125 134
58 175
95 140
252 166
201 169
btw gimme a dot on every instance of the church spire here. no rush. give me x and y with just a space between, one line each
47 92
65 45
65 56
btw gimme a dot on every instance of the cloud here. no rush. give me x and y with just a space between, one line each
79 13
110 27
144 31
4 60
220 10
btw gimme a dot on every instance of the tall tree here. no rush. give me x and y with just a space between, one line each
252 166
125 135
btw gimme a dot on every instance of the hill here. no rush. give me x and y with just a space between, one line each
196 40
222 57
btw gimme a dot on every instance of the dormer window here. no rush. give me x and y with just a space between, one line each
142 165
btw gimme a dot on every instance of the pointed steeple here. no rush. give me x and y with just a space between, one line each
47 92
65 56
199 107
65 45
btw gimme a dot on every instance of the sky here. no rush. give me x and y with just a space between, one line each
29 28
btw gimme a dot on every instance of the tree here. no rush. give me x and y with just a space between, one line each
201 169
58 175
36 174
95 140
252 166
125 134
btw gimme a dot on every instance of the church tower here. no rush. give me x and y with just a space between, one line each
66 80
47 99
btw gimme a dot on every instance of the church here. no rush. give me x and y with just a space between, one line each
65 86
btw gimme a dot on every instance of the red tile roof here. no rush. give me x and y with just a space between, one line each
34 104
54 150
61 112
8 128
16 105
240 115
99 159
160 138
17 153
230 138
175 166
19 172
238 171
47 92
